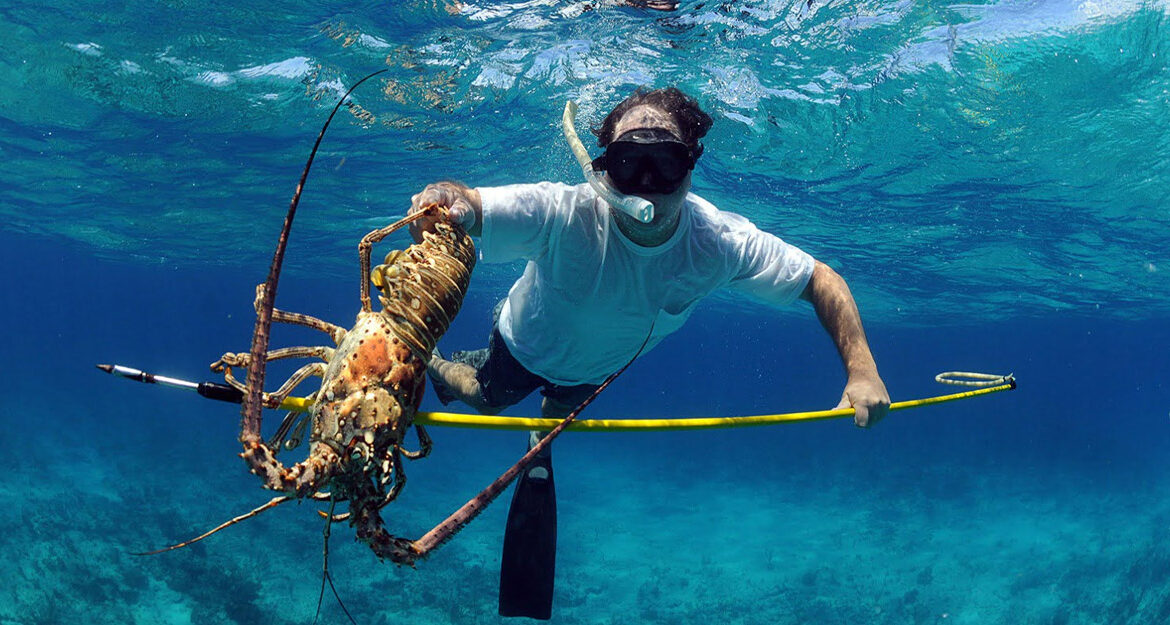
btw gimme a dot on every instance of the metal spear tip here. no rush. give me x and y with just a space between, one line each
106 368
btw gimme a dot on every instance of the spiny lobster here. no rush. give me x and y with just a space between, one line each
372 385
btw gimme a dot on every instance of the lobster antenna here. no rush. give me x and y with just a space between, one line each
272 503
250 414
325 575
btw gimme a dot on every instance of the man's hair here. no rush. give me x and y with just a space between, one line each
691 119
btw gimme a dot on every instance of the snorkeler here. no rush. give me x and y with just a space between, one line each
625 256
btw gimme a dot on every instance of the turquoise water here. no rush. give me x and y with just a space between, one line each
991 178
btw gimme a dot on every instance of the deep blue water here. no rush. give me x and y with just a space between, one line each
990 177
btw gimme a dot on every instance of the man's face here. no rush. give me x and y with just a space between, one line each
647 157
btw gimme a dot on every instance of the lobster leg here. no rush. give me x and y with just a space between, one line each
302 479
230 359
367 243
371 530
399 477
312 369
392 472
294 422
283 316
335 332
425 444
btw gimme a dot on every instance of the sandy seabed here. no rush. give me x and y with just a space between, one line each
642 539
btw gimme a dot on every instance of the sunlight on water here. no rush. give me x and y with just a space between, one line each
855 130
869 133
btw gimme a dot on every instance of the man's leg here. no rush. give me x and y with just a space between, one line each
460 382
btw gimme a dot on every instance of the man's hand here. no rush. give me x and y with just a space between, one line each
459 200
867 395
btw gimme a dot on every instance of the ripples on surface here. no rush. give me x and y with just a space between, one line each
981 160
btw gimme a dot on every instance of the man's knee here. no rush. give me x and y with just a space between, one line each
489 403
555 409
488 409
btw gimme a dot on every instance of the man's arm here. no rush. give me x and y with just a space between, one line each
464 204
864 389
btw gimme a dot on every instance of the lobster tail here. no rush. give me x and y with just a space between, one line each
422 287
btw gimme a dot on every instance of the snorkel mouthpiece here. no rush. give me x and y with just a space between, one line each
632 205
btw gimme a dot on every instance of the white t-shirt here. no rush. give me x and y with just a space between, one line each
589 295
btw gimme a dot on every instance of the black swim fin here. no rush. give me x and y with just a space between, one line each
528 565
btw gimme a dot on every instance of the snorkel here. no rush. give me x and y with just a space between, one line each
632 205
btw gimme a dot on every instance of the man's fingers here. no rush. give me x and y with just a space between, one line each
865 413
860 412
861 416
462 214
870 412
430 195
869 399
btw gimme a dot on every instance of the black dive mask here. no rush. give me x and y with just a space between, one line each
647 161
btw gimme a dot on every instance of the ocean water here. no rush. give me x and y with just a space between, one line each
990 177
